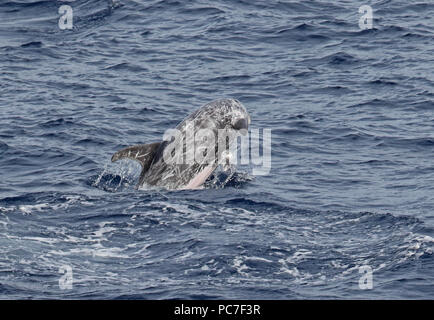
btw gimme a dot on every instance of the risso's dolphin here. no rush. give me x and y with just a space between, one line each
189 153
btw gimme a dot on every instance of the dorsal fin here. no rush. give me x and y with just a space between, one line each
143 153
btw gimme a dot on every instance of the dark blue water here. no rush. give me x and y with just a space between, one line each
352 176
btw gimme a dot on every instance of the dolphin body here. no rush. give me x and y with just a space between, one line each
227 116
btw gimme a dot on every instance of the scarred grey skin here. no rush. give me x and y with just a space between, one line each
223 115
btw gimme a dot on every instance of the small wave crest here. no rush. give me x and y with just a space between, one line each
116 177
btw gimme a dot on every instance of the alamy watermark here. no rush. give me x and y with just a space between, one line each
67 279
366 278
66 20
211 147
366 20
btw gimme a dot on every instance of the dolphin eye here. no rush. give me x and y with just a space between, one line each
241 124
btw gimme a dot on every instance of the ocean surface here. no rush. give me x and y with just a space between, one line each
351 183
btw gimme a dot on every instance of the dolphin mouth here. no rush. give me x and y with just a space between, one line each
241 124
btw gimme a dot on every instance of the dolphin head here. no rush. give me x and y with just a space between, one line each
232 115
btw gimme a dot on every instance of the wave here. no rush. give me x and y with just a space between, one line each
203 238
